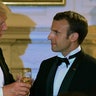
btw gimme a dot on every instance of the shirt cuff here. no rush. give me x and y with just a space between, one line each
1 91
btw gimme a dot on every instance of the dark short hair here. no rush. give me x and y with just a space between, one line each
77 23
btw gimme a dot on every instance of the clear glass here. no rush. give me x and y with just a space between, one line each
27 75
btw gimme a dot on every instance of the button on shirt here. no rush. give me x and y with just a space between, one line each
1 82
62 71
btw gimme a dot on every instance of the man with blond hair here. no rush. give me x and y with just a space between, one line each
8 86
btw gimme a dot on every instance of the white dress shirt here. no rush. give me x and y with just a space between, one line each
1 82
62 71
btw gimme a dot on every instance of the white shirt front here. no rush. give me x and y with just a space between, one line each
1 82
1 78
62 71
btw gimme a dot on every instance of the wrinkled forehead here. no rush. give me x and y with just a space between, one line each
60 24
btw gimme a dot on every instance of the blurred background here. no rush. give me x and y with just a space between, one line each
25 43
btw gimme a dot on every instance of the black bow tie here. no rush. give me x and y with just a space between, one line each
60 60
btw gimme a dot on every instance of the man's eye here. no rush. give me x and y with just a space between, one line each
56 32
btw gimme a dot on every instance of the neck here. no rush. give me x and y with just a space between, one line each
65 53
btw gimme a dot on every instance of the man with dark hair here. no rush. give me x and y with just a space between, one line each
71 70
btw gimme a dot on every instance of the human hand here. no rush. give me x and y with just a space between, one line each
16 89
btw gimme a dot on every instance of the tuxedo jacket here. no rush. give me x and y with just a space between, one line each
81 77
8 78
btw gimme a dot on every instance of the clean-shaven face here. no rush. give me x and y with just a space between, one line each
58 36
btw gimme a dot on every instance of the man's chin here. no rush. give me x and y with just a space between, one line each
54 50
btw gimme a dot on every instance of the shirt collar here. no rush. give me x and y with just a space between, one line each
71 53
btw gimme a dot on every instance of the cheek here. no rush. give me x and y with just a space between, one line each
64 42
60 42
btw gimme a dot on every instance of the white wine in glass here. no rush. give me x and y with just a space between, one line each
27 76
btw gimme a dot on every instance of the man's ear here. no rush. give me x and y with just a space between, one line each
74 36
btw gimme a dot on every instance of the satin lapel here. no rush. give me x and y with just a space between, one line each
4 67
50 79
70 74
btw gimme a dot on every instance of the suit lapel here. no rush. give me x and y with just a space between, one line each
4 68
50 78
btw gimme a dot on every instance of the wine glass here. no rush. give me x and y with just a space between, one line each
27 76
22 75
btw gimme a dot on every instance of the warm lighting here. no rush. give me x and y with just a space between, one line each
5 7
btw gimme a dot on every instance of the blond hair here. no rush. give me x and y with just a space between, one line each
2 9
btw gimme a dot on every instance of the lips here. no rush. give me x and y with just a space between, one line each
53 44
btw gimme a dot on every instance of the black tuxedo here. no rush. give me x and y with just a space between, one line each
8 78
81 77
